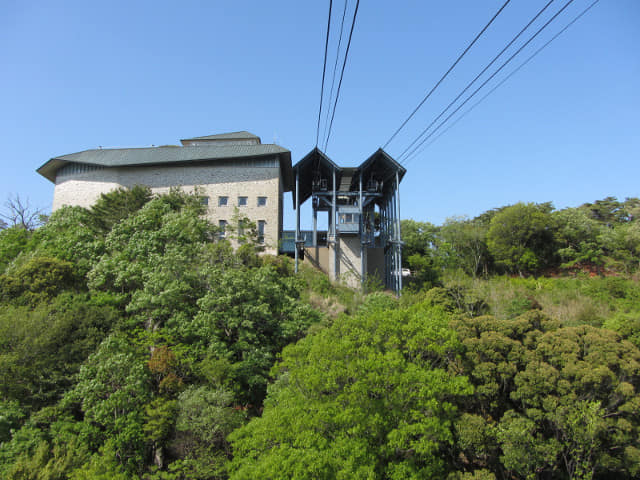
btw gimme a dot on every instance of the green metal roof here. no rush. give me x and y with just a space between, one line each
242 135
133 157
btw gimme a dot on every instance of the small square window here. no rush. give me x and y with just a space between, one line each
262 201
204 200
242 201
223 228
222 201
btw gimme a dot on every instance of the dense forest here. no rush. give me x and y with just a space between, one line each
137 344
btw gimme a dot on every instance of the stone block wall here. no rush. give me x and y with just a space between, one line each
220 179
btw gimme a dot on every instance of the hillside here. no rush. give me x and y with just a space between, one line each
134 343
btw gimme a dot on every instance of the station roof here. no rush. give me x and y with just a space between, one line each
382 167
316 165
242 135
171 155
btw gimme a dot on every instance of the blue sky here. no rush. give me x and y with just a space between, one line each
565 129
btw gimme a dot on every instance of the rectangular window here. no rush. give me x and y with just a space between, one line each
349 218
261 224
241 225
262 201
242 201
204 200
223 228
222 201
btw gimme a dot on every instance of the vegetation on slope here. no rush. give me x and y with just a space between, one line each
134 343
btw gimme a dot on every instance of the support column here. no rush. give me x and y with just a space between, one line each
297 239
384 225
336 256
399 234
394 252
363 265
316 252
315 226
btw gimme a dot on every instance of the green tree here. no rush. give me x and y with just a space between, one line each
632 208
152 259
607 211
622 245
367 397
135 246
550 400
115 206
11 416
38 279
520 238
41 349
12 242
245 319
463 246
204 419
418 253
418 237
70 236
577 238
113 388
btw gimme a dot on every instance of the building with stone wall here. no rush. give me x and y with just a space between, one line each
235 174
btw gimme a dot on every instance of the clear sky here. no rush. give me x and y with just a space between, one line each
77 75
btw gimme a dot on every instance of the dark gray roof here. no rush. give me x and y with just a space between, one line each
226 136
380 166
383 166
129 157
315 163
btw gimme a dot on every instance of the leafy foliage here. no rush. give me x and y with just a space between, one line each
134 343
12 242
41 349
70 236
367 397
464 246
520 237
245 319
38 279
114 206
577 236
549 399
113 388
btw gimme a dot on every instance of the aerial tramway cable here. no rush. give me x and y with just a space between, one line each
324 68
409 156
335 67
344 63
540 12
446 73
516 70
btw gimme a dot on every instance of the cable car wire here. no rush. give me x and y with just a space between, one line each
344 63
324 67
504 80
335 68
476 78
409 156
446 73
